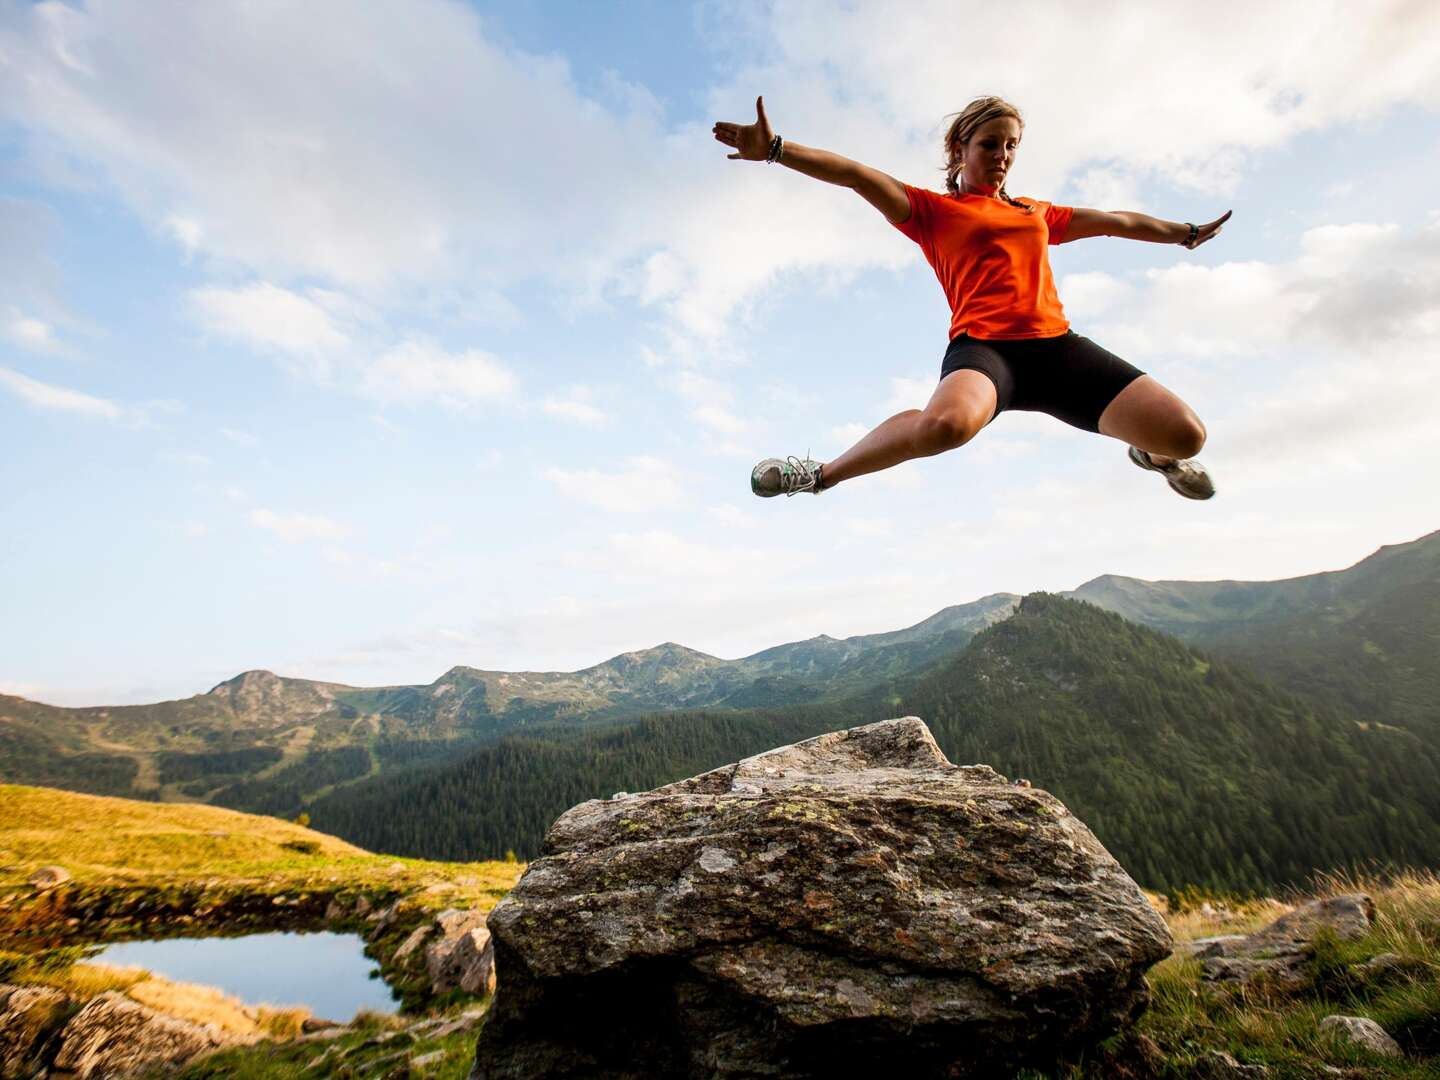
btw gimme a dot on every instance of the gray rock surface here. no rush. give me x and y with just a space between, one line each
1279 953
26 1015
463 957
113 1036
851 904
1363 1032
411 943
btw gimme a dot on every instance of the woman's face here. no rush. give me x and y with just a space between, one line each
989 154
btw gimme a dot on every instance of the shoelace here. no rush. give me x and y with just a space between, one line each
801 479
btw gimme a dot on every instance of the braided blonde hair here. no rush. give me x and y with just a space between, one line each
966 122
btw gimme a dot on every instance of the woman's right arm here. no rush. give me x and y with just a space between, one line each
752 143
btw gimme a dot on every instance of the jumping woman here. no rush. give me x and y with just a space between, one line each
1010 344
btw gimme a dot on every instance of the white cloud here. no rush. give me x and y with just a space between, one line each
297 527
909 394
844 436
662 555
29 333
57 398
245 145
267 317
240 438
188 459
576 407
187 232
1350 286
1092 293
644 483
419 371
194 530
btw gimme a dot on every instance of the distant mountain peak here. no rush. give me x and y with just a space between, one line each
257 679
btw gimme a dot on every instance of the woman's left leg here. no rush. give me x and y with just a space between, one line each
1150 417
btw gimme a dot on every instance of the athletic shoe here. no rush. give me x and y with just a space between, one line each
789 477
1185 476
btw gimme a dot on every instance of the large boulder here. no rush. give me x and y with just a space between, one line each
851 904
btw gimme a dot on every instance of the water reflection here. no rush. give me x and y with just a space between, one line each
327 973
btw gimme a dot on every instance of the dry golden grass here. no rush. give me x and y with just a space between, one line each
104 836
106 841
207 1005
187 1001
85 981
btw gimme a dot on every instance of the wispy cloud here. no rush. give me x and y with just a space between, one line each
644 483
58 398
577 406
268 317
419 371
28 332
297 527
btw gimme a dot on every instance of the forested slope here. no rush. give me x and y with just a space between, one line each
1192 770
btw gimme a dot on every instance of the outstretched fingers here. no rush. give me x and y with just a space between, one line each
750 141
1209 229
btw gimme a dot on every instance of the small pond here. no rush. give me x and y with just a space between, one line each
327 973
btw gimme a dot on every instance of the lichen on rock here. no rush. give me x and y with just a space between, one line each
851 902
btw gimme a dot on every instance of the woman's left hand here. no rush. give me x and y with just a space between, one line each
1205 232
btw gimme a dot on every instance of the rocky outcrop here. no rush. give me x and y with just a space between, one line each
853 903
1280 954
464 956
27 1015
113 1036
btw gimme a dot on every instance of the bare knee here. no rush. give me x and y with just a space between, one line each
938 432
1188 438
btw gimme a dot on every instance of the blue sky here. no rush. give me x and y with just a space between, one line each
356 343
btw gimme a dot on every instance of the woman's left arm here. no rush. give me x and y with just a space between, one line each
1129 225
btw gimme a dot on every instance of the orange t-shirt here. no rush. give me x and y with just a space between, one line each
991 260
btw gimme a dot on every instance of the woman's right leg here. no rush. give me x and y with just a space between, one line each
962 404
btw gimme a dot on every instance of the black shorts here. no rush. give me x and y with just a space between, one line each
1069 377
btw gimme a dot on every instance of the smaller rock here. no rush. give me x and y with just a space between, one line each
1218 1065
47 877
335 911
1280 953
362 906
383 917
464 957
1202 948
424 1061
312 1024
325 1034
1382 966
411 943
466 1021
1363 1032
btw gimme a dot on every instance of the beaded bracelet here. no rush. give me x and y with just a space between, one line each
777 147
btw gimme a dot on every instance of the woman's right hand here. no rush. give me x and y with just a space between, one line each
751 141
